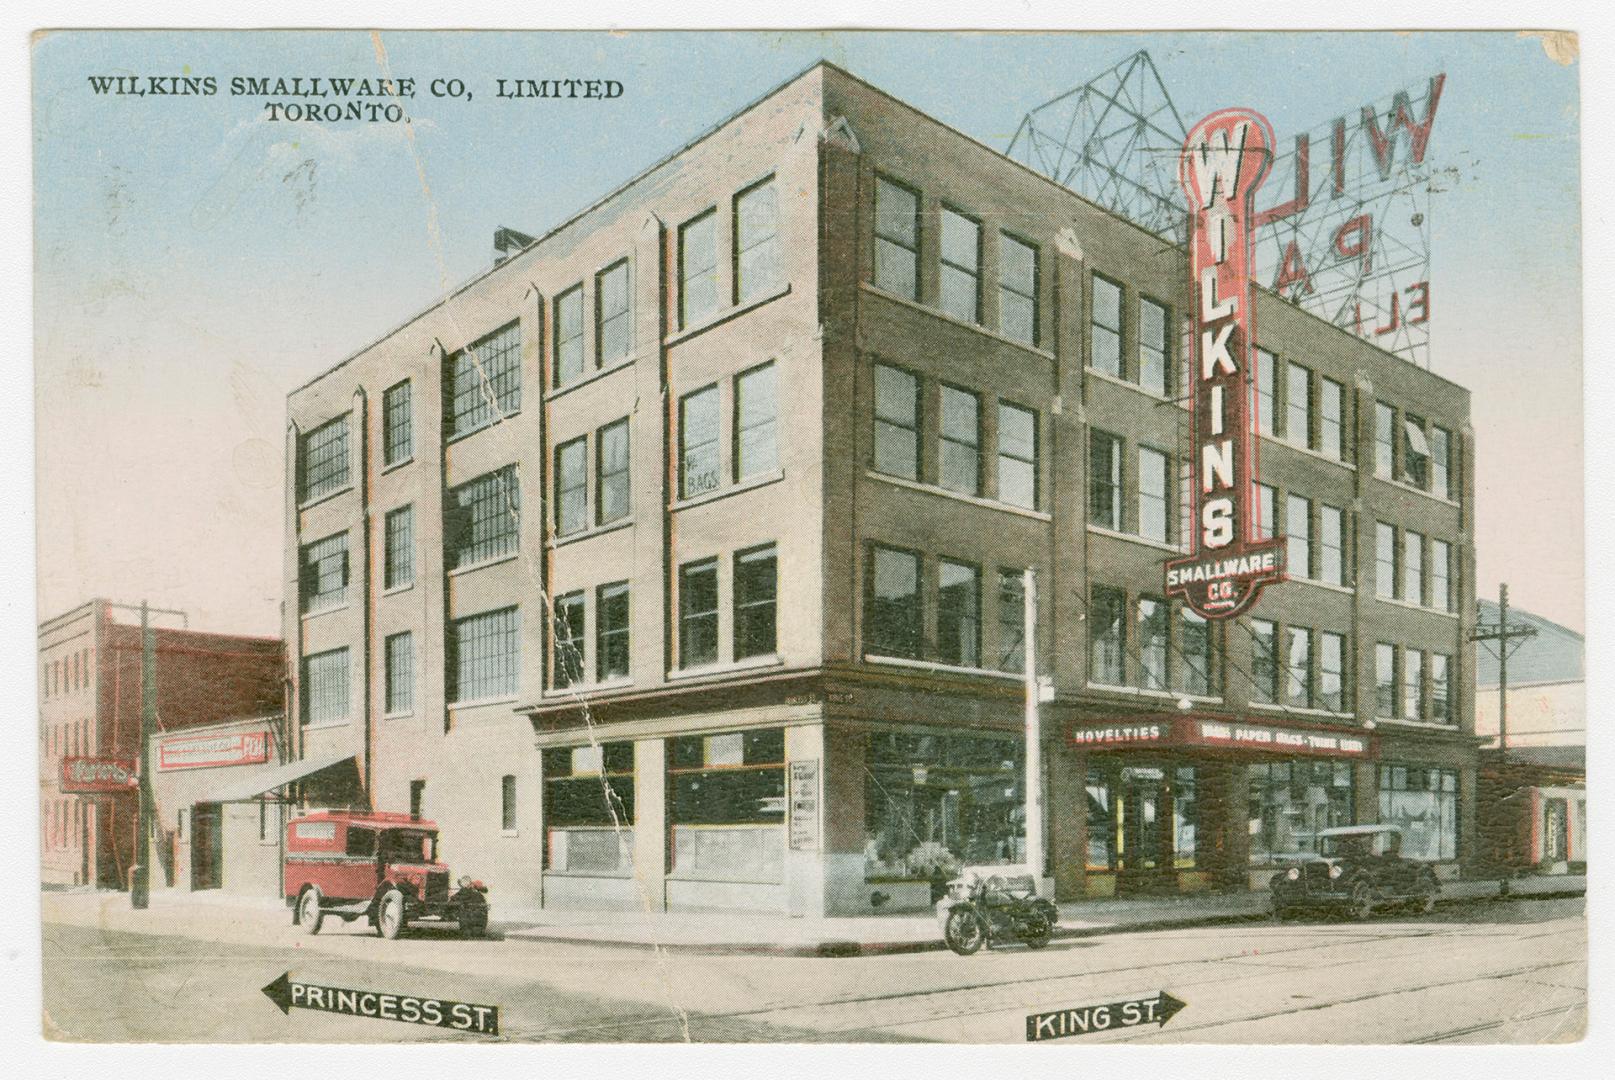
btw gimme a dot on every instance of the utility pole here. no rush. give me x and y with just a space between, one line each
140 887
1503 633
1034 735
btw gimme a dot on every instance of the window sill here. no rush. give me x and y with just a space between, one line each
724 315
327 610
1308 451
1297 710
938 313
749 484
585 380
1150 692
480 702
577 690
396 589
502 418
399 464
328 725
1316 584
1413 725
619 875
1410 606
1403 485
309 504
942 668
1117 380
1136 539
586 534
959 496
399 715
751 663
484 564
510 832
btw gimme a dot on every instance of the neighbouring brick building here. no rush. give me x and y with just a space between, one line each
674 561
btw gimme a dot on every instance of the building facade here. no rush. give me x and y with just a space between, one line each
90 710
676 561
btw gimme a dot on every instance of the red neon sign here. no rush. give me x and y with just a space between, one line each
1225 158
98 776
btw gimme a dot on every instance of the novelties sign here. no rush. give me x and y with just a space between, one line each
1224 161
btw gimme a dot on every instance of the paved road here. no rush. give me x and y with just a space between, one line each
1495 971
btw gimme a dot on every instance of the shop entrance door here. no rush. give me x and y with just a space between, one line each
1144 856
207 846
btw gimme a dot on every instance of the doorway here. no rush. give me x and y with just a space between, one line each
207 847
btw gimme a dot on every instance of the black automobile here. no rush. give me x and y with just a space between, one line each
1356 870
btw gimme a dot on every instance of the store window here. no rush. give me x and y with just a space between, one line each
726 805
892 616
1106 328
934 803
1423 803
1017 456
1152 639
1193 670
1264 662
897 423
959 465
1385 688
897 239
1152 346
1266 390
958 614
961 266
1017 290
698 613
589 809
1292 801
1104 480
758 270
1153 514
1107 629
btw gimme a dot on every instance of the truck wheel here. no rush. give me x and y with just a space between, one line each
309 914
1361 904
390 914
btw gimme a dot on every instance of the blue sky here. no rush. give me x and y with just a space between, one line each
194 262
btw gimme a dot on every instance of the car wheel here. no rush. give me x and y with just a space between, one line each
1361 904
390 914
309 914
964 932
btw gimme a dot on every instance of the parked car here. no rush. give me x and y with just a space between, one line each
380 866
1354 870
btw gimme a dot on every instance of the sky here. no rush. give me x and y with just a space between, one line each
195 261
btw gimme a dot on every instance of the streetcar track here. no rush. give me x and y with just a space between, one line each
1489 1025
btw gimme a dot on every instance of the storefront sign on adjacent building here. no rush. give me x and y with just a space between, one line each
207 751
97 776
1224 160
1194 732
804 816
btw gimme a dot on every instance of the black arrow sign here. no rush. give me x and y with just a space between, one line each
379 1005
1088 1019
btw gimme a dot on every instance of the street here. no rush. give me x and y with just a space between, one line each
1493 971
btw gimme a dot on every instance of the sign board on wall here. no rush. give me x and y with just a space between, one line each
98 776
1206 733
208 751
804 795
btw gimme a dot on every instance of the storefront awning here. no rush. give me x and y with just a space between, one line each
264 780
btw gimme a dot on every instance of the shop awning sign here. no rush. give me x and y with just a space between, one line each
207 751
98 776
1209 733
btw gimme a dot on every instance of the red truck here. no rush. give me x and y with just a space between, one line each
380 866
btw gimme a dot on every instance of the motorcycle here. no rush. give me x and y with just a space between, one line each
985 905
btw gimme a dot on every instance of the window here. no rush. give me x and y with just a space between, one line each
1330 417
698 613
726 805
569 335
1332 672
1298 527
1152 347
397 424
757 255
698 268
480 523
1385 688
929 794
324 457
1266 388
1017 290
1441 462
1011 621
1298 405
417 797
507 802
756 413
613 326
568 665
1107 634
611 657
1423 802
1440 581
1412 684
698 442
398 547
1440 688
756 599
1153 514
1298 665
589 808
399 697
324 566
958 614
1017 456
1264 662
960 457
897 238
1384 561
1266 524
611 472
892 613
485 381
1331 568
484 654
1104 480
897 423
1152 631
1412 567
1415 452
1292 801
1107 327
1195 644
325 687
961 266
1384 446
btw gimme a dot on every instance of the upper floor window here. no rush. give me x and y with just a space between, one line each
398 547
1384 561
1298 405
399 693
1107 326
1011 620
324 459
961 266
1153 514
1264 662
960 431
1415 452
484 656
698 268
698 442
1412 567
1332 693
892 619
755 597
757 252
1386 697
897 422
1266 390
1331 421
325 572
614 324
611 471
1384 439
1440 688
1152 643
698 613
481 517
568 335
897 238
397 424
486 381
1017 289
1331 545
1298 526
1412 684
756 412
1152 364
1298 685
1017 456
1440 575
1107 636
611 655
567 669
1265 523
326 697
1195 647
958 614
1441 462
1104 480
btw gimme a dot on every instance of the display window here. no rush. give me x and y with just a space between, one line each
1142 816
726 805
1423 803
589 809
934 803
1292 801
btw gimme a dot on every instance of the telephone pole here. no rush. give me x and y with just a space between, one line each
1503 634
140 887
1034 734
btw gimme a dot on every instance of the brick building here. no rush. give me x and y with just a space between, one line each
715 498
